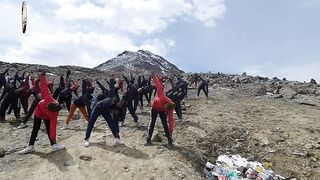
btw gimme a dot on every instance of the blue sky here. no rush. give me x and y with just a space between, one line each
260 37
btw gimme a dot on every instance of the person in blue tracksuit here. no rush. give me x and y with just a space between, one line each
105 108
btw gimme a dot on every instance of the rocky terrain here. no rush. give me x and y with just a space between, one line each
262 119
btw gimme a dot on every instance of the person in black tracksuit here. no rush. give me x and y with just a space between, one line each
131 98
203 86
10 99
183 85
176 96
60 88
66 94
142 83
105 108
148 89
3 78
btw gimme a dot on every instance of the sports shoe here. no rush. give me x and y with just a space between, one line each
170 144
86 143
118 141
57 147
22 125
138 124
121 124
148 143
28 149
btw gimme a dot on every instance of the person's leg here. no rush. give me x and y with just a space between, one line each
24 102
205 92
10 108
112 123
163 117
71 112
154 115
68 103
35 130
132 112
147 97
135 104
84 113
199 89
16 109
155 93
4 106
47 123
92 120
31 110
178 109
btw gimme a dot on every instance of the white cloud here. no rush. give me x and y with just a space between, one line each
158 46
142 17
207 11
87 33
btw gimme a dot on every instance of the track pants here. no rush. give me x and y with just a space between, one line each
36 128
163 117
73 109
112 123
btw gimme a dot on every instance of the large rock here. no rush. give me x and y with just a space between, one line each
287 92
308 100
312 81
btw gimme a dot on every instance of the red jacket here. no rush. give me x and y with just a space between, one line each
160 101
42 108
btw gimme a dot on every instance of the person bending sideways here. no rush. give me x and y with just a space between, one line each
163 106
48 111
105 108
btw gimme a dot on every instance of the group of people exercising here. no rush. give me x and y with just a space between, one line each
47 102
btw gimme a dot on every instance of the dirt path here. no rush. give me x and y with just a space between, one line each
283 133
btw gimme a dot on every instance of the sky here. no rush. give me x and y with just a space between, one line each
274 38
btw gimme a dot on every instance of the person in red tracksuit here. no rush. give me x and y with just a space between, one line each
163 106
48 111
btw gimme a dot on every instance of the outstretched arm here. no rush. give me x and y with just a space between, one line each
101 86
158 85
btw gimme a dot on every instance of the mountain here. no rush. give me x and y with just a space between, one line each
137 62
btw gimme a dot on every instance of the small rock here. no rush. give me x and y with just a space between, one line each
68 163
181 176
314 159
85 157
2 152
308 146
156 137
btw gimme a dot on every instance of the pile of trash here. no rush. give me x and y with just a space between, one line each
237 168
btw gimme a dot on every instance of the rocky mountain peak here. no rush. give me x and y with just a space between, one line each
139 62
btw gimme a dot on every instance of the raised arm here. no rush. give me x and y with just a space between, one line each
157 83
44 86
100 85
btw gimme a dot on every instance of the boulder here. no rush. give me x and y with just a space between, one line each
312 81
287 92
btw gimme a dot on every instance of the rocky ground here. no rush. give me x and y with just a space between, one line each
262 119
233 120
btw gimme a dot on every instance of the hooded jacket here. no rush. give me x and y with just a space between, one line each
42 108
160 100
